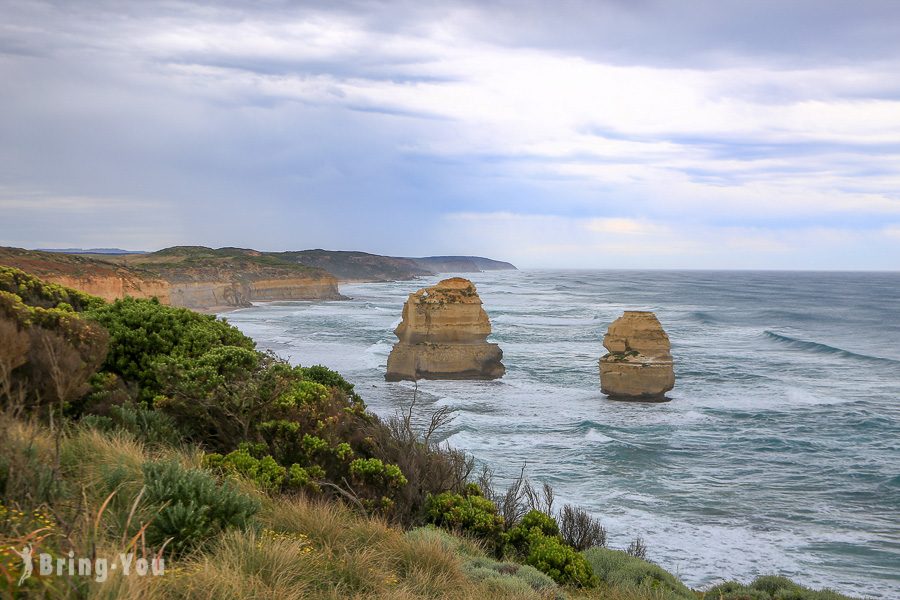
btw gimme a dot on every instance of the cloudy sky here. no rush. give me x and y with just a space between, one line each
609 133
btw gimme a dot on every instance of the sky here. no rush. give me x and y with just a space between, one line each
707 134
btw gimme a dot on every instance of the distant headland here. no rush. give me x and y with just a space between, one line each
220 279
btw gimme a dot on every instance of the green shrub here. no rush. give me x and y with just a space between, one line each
551 556
773 584
193 505
732 590
331 379
446 540
146 425
35 292
472 515
502 584
769 587
536 579
143 332
621 569
534 521
263 470
481 568
374 472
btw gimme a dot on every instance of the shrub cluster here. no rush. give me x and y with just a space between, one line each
169 375
622 569
769 587
263 470
469 513
535 539
194 506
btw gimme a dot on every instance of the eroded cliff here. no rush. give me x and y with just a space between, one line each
443 334
192 277
639 364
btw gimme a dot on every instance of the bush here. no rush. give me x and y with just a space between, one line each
143 332
331 379
472 515
621 569
372 471
566 566
732 590
37 293
773 584
769 587
263 471
536 579
448 541
148 426
533 522
482 568
194 506
579 529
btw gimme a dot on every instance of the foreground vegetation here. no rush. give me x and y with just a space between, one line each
141 429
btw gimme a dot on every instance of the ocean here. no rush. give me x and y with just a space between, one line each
778 453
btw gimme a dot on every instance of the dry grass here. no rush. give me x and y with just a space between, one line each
322 551
296 549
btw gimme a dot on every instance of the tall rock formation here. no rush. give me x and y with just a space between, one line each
639 363
443 336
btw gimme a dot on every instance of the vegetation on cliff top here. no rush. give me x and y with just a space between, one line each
179 264
133 426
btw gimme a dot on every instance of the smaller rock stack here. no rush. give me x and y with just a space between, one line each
443 336
639 363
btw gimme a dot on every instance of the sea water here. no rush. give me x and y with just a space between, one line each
778 453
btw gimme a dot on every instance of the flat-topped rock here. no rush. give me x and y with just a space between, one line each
639 363
443 334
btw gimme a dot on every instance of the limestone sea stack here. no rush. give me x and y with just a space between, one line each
639 363
443 335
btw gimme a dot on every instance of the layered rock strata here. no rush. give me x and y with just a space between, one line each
443 335
201 279
639 363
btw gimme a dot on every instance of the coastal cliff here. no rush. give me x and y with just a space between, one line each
191 277
443 336
362 266
639 363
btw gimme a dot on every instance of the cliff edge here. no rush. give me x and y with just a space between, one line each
188 276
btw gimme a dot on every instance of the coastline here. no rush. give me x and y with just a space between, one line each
610 455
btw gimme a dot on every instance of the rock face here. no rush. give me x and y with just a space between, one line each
442 336
198 278
639 363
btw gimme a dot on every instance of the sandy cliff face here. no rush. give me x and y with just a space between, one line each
443 336
110 287
222 295
200 295
217 282
639 363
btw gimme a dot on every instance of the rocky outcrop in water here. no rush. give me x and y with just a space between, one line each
443 335
639 363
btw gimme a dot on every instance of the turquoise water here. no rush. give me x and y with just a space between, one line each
780 450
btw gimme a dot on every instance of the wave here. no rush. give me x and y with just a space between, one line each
703 317
818 348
